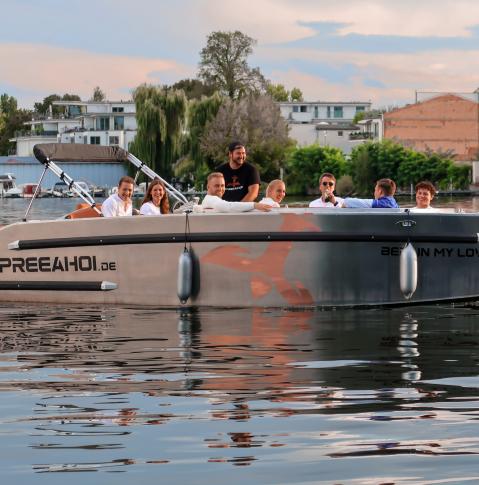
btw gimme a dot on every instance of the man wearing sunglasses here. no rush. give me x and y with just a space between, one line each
327 184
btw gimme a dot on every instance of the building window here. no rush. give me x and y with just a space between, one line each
118 109
103 123
303 109
338 111
94 140
114 140
360 109
119 122
340 133
295 109
329 111
316 112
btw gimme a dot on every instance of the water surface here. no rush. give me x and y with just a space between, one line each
239 396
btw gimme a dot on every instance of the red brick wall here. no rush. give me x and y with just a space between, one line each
447 122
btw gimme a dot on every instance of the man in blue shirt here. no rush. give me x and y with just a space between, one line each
383 197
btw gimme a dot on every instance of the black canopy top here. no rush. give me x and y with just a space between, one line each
72 152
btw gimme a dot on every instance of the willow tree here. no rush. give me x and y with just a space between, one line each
161 118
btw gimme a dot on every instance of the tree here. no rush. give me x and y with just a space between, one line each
224 64
11 120
8 104
305 165
194 88
194 164
98 95
161 116
256 121
296 94
44 107
278 92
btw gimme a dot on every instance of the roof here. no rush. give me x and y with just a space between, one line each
73 152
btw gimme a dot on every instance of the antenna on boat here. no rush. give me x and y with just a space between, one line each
37 191
172 191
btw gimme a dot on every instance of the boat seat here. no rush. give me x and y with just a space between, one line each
84 211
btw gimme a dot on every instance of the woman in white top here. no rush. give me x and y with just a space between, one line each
275 193
156 201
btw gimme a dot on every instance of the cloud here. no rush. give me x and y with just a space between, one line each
46 69
383 78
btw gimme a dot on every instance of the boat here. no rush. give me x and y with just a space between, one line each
8 186
289 257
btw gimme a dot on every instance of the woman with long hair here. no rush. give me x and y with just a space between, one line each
156 200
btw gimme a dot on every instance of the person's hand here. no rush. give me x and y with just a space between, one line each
262 207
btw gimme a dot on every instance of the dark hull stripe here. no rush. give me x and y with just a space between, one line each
209 237
54 285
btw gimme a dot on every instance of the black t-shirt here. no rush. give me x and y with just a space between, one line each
237 181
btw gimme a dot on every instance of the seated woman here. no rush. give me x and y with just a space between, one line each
275 193
156 200
425 192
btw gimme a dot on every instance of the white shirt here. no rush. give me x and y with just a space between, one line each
115 207
220 205
320 203
269 201
150 209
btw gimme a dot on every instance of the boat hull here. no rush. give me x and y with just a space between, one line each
289 258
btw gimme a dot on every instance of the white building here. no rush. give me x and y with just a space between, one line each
106 123
324 122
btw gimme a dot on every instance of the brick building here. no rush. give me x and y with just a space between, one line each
442 123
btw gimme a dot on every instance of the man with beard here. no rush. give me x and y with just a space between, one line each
241 178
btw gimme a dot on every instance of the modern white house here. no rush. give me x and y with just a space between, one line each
325 122
107 123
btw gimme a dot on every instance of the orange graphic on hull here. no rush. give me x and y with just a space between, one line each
267 270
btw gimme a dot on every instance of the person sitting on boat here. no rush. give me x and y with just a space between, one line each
213 199
327 184
275 193
425 192
241 177
120 204
156 201
383 197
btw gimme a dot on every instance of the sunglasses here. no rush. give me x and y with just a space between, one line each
328 183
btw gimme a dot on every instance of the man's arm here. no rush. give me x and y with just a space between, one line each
253 191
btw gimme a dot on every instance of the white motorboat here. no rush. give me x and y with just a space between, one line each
299 257
8 186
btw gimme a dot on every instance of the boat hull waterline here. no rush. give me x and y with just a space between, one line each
289 258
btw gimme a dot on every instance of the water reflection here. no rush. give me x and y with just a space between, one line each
115 389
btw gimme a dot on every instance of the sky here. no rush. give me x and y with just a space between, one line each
354 50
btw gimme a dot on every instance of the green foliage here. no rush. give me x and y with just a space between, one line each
11 121
43 108
200 113
296 94
387 159
278 92
305 165
223 64
194 88
161 117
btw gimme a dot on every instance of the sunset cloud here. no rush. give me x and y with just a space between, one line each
46 69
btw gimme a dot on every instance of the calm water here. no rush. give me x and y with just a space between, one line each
150 396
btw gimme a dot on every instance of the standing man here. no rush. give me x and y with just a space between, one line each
241 178
120 204
327 185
